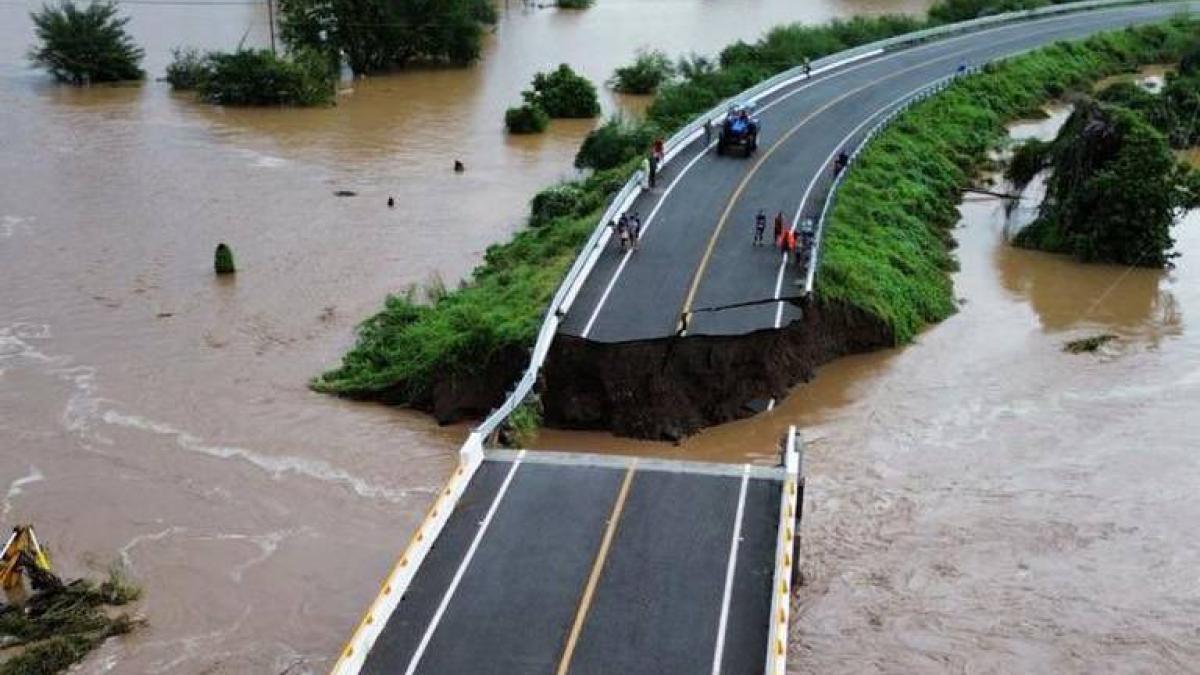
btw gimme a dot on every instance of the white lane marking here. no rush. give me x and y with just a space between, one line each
812 184
645 228
729 573
462 568
783 97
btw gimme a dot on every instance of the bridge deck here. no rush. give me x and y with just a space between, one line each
615 565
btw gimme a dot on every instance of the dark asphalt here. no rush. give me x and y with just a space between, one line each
647 297
657 604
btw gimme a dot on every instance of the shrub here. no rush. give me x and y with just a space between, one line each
1028 160
555 202
526 119
1113 193
258 77
648 70
376 35
223 260
573 4
187 69
614 143
82 46
563 93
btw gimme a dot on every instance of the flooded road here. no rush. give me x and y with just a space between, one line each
153 415
982 501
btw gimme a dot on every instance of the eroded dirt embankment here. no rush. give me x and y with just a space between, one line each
670 388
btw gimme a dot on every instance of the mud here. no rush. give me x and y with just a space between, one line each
668 389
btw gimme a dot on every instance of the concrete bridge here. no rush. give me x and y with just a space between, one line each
552 563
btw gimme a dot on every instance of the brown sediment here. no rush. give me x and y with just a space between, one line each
669 388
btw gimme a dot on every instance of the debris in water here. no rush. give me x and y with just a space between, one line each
223 259
344 193
1090 344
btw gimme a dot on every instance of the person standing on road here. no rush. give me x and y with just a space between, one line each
621 228
635 230
659 148
707 132
760 226
645 168
653 161
840 163
807 68
778 226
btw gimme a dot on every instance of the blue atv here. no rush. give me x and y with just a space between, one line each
739 131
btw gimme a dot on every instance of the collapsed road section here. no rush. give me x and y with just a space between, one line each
557 563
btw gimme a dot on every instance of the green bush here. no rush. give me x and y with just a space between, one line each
223 260
379 35
563 93
648 70
1028 160
1113 192
574 4
557 202
526 119
187 69
614 143
84 46
258 77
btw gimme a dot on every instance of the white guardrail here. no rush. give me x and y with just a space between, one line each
351 659
785 555
586 260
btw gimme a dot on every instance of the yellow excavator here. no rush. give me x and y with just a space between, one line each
23 559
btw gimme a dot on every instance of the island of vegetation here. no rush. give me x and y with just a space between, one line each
885 273
561 93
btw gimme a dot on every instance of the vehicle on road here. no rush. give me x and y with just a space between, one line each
739 131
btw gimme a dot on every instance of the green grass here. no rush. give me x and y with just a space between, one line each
887 247
403 351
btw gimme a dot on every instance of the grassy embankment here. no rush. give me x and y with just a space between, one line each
888 241
415 342
409 346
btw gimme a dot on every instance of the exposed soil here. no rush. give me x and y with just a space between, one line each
667 389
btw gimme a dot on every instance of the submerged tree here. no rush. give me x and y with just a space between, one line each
85 45
377 35
1114 191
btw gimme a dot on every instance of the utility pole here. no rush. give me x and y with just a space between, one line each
271 24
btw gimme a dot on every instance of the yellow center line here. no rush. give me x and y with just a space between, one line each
585 602
737 193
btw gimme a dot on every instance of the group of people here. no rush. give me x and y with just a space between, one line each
793 243
628 229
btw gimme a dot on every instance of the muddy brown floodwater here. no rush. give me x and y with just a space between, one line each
152 414
981 501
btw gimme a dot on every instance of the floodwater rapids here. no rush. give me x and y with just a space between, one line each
977 502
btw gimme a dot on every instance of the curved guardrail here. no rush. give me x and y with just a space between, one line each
831 195
578 273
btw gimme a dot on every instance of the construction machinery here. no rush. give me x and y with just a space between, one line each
25 567
739 131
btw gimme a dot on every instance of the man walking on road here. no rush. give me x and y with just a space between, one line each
760 226
778 227
635 230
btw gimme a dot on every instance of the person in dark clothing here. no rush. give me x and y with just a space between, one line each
621 227
653 170
635 230
807 67
760 226
839 164
459 167
391 203
778 226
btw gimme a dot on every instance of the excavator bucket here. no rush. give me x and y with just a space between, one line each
24 559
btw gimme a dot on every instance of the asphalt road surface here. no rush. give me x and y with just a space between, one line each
696 251
616 567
